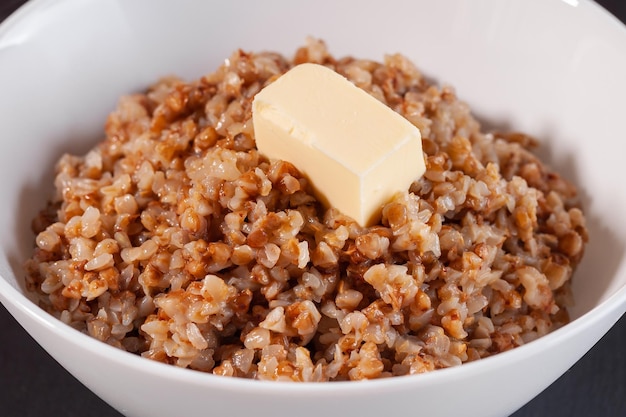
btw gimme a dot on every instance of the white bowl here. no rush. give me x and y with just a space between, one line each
554 69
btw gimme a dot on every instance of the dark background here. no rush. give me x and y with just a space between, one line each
33 384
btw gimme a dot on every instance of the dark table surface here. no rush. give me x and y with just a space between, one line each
33 384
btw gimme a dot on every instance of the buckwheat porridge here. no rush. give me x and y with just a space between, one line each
175 239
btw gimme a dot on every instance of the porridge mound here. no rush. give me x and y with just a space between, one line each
175 239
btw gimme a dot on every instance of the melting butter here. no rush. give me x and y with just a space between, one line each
356 152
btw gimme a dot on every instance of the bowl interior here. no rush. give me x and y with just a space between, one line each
64 69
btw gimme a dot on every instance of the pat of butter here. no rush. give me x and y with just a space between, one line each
356 152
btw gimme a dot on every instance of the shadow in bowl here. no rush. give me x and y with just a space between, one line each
592 280
33 198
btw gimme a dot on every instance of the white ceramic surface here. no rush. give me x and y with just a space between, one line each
552 68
